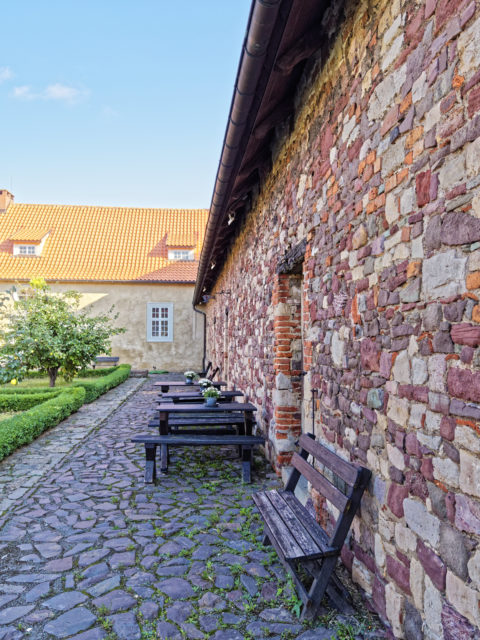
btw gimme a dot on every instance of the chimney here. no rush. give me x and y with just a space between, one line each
6 198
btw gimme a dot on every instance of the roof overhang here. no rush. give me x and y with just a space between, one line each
282 38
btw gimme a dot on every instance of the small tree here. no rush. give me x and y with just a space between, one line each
46 331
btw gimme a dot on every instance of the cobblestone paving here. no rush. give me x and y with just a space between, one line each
22 470
92 553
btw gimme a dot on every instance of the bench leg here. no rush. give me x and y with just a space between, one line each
318 588
247 464
266 540
164 458
150 466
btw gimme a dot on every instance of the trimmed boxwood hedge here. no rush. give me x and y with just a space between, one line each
24 401
22 429
95 373
102 384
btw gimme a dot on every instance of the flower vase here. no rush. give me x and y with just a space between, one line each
211 402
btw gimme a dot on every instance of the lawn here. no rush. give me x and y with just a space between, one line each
7 414
33 383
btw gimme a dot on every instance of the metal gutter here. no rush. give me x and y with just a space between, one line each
204 358
262 21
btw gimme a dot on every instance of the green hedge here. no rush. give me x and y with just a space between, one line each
22 429
83 373
24 401
103 383
95 373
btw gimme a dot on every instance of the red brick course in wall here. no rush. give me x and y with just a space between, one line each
381 176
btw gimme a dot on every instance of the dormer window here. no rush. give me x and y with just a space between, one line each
180 254
29 242
24 250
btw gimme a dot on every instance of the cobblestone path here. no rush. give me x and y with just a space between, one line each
92 553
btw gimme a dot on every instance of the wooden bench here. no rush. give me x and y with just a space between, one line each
152 442
302 544
105 360
199 421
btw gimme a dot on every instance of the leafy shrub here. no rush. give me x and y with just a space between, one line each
22 429
95 373
24 401
103 383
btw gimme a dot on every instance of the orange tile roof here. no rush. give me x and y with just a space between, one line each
101 243
29 235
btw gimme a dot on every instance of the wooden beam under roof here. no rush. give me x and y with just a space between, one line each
310 42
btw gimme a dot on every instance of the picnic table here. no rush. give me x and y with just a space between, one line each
240 414
166 384
196 396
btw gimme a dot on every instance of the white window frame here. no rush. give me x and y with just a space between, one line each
181 255
154 314
24 250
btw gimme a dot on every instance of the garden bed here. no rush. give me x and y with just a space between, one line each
22 428
30 408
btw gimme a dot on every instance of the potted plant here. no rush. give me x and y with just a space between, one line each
204 383
211 396
189 376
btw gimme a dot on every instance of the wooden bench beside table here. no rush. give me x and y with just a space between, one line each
229 423
105 360
189 440
302 544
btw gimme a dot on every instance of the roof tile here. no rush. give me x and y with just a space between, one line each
100 243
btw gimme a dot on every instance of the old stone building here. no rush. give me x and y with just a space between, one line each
341 273
141 261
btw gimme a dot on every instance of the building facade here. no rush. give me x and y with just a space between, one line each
341 278
143 262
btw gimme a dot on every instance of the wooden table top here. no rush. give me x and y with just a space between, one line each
183 407
182 383
194 395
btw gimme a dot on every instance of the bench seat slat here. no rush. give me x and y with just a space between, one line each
342 468
281 533
199 440
299 523
194 421
319 533
320 483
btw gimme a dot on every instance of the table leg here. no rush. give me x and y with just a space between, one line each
163 431
164 458
247 464
150 466
249 422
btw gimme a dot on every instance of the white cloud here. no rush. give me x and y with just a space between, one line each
24 92
109 112
5 74
57 91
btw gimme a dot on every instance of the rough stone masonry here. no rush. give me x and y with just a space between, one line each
379 177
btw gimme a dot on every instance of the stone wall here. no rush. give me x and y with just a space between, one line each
380 176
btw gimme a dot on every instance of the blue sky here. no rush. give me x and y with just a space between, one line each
116 102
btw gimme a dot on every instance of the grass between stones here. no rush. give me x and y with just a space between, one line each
222 507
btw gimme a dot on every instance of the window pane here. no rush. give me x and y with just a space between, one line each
155 312
164 312
164 325
155 328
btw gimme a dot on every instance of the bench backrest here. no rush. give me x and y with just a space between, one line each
354 477
209 366
214 373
